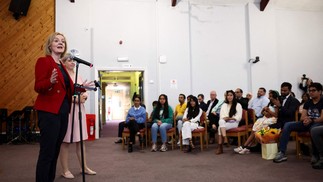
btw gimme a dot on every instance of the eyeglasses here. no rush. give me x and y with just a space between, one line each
312 90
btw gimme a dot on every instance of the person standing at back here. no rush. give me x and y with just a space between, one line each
70 67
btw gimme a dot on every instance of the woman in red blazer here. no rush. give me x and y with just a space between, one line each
54 88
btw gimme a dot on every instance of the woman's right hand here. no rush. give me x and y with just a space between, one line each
53 77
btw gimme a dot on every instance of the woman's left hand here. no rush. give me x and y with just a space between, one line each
88 84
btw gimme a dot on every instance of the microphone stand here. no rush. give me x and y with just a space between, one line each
77 92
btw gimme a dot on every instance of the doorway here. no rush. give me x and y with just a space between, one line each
118 88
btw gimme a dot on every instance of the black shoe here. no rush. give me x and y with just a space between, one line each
188 150
118 141
318 164
129 148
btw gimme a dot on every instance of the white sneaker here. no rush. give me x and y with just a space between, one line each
244 151
170 141
154 148
238 149
178 143
163 148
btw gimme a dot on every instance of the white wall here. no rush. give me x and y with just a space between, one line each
206 46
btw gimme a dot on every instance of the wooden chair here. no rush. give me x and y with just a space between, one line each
301 137
143 133
200 132
241 131
252 117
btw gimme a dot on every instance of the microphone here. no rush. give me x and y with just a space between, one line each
79 60
97 84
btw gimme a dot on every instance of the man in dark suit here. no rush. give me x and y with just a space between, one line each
202 104
287 106
213 118
243 101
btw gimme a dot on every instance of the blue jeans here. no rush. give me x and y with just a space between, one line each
162 130
293 126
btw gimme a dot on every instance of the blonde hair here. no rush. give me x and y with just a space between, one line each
66 57
50 40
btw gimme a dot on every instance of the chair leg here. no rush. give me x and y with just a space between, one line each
180 142
239 139
298 156
201 141
122 138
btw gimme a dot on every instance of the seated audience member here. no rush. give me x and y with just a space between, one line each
135 120
213 119
257 104
230 116
317 147
191 121
216 112
249 96
179 111
270 113
305 98
162 121
243 101
202 104
123 125
312 116
287 106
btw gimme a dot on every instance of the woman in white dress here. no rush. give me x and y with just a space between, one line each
191 119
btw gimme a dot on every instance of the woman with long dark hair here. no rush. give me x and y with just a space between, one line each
162 121
190 120
230 116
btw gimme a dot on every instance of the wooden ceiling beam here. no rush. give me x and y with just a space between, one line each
263 4
174 2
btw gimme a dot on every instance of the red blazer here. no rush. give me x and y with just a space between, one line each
50 96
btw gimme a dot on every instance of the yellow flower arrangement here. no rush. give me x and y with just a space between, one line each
268 135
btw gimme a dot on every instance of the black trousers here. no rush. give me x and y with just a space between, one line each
213 119
134 127
120 128
53 128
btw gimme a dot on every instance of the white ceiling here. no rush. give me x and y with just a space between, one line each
305 5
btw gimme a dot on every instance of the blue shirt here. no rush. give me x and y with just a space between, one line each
138 113
258 104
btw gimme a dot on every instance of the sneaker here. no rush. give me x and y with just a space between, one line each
118 141
318 164
244 151
280 157
238 149
163 148
170 141
178 143
154 148
314 159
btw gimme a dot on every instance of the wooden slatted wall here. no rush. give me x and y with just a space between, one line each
21 43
